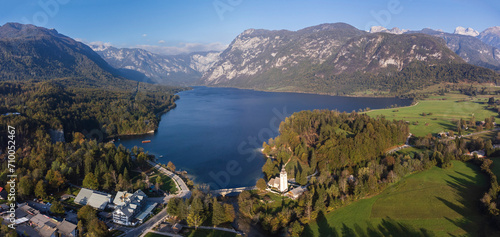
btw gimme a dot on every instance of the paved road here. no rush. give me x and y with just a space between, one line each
147 226
181 185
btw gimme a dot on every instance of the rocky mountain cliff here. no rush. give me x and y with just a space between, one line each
470 48
491 36
172 69
260 52
331 58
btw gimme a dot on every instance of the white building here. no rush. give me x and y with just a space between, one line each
128 206
280 183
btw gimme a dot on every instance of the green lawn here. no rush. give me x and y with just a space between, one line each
433 202
168 183
496 166
443 109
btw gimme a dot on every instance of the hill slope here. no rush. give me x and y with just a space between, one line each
30 52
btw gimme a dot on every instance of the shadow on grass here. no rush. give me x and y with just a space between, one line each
469 190
388 227
447 126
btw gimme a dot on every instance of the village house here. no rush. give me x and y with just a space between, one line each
49 227
296 192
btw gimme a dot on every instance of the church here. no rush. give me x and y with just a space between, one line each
281 183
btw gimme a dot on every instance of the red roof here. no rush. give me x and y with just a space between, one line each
1 189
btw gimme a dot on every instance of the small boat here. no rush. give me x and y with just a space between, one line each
146 141
161 156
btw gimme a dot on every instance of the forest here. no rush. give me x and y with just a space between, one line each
62 132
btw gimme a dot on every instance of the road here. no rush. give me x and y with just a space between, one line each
146 226
181 185
406 145
475 133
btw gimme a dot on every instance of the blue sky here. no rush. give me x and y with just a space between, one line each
173 26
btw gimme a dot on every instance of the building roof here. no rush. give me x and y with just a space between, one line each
297 191
39 220
46 231
121 197
124 197
99 201
141 216
93 198
66 228
83 196
124 210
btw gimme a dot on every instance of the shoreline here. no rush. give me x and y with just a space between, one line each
305 92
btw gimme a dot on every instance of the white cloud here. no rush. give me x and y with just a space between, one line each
161 41
183 48
144 35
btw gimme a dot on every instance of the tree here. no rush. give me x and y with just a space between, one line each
173 206
245 203
25 186
302 178
97 228
40 189
55 179
90 181
158 183
194 219
86 213
196 214
261 184
218 213
229 211
171 166
268 168
491 100
57 208
296 229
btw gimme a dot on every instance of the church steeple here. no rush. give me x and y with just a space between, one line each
283 180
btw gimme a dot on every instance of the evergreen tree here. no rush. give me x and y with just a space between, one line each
218 213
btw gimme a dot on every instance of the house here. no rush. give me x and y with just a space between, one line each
296 192
98 200
66 229
280 183
177 228
49 227
128 206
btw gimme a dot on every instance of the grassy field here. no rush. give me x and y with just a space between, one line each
441 113
168 183
434 202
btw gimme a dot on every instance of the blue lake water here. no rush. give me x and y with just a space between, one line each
215 134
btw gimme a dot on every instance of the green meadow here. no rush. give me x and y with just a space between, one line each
435 202
441 113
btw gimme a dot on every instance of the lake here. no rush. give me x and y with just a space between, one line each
215 134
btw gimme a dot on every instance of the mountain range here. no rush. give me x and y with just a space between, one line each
328 58
183 70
